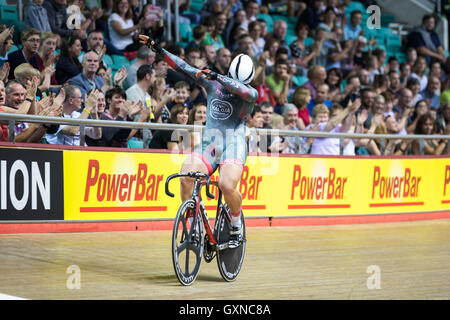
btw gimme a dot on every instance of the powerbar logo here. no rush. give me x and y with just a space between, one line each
330 186
106 186
22 186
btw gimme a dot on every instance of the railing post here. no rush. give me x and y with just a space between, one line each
19 9
12 135
421 146
341 146
145 137
382 145
82 135
169 21
177 22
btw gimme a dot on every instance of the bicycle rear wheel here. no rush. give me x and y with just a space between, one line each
187 245
229 260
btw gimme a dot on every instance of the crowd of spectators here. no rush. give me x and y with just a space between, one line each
352 85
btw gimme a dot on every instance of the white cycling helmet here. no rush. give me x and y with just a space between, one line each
242 68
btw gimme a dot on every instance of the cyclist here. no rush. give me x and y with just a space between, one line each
230 102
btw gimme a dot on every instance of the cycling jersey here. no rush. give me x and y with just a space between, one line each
229 105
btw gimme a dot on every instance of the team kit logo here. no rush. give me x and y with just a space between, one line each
220 110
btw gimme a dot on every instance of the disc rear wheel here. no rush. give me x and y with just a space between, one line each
229 260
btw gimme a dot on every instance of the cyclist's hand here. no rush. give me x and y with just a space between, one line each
210 75
143 39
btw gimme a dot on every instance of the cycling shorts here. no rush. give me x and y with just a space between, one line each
214 154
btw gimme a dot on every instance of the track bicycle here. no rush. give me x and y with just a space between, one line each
194 239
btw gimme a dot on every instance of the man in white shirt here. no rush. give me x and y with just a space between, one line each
70 135
139 91
251 10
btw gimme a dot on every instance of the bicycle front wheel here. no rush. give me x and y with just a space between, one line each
187 244
229 260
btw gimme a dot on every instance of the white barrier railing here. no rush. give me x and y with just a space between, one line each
147 126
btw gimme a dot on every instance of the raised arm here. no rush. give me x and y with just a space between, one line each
352 107
175 62
180 65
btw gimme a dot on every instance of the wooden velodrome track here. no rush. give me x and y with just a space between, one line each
303 262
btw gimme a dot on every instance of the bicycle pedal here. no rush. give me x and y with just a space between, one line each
222 246
233 244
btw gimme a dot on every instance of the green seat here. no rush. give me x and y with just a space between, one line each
290 38
292 20
267 18
380 37
276 17
387 31
9 13
299 80
182 43
120 61
355 5
196 6
343 85
401 57
185 32
108 60
13 48
18 27
291 32
386 19
369 33
393 39
393 42
135 143
309 41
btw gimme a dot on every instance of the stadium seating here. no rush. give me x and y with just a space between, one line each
401 57
119 62
13 48
299 80
108 60
9 13
268 19
355 5
290 38
185 32
393 42
309 41
196 6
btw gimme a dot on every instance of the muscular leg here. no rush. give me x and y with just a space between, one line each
229 178
191 163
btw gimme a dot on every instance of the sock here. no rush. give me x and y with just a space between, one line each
236 220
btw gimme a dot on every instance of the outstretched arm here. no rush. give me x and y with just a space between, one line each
202 76
174 61
180 65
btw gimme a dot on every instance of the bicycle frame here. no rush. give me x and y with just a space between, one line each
200 181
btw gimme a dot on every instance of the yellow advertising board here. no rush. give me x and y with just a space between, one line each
102 185
109 185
